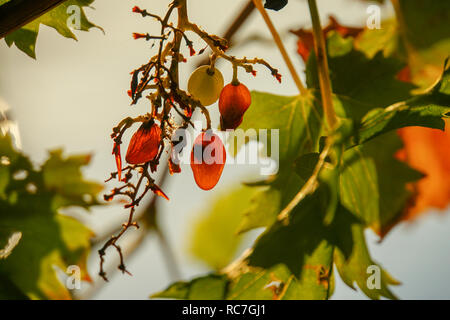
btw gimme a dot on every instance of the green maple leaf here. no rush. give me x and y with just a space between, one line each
425 110
210 287
73 190
374 183
378 102
298 119
419 36
25 37
386 40
267 202
29 206
364 83
300 249
353 260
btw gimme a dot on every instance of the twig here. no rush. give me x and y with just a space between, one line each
322 66
298 82
219 45
237 23
169 257
310 185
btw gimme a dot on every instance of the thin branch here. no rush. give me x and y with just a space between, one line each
276 37
150 220
169 256
17 13
310 185
237 23
218 46
322 66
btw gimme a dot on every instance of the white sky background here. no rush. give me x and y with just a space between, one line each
76 92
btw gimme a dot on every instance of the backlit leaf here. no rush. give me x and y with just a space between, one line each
57 18
49 240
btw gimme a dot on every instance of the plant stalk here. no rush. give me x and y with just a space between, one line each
322 66
276 37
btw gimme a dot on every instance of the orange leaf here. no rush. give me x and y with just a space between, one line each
427 150
306 37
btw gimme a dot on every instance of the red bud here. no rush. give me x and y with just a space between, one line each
233 102
144 144
139 35
117 156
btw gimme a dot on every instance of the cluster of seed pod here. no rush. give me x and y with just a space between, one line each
206 84
205 87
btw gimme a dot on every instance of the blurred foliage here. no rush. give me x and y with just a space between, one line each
215 237
39 239
57 18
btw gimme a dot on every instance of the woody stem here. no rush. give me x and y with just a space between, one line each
322 66
280 45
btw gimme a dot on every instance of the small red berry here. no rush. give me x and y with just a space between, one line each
208 157
233 102
144 145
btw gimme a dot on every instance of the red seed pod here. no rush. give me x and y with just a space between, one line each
118 157
144 144
208 157
230 123
233 102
